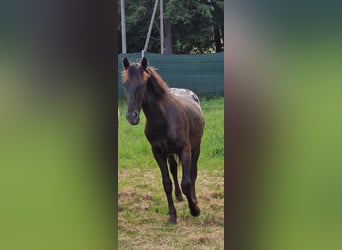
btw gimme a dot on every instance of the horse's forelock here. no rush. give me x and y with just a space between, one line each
134 70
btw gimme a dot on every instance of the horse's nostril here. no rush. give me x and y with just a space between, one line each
135 114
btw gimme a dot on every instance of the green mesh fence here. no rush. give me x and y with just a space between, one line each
202 74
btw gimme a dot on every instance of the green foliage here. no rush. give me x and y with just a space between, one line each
138 15
176 11
192 25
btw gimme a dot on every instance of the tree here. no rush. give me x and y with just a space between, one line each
190 26
218 23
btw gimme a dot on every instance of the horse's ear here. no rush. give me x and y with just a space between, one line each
125 63
144 63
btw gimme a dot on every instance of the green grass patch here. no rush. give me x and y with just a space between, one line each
135 151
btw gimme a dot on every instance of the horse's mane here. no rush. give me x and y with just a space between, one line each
150 75
124 75
159 85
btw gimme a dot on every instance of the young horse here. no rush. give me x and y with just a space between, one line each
174 126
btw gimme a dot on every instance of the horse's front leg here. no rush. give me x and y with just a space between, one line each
186 184
161 160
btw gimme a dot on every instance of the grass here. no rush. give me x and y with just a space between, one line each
142 202
135 151
143 213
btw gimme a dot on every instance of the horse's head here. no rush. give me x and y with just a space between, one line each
134 79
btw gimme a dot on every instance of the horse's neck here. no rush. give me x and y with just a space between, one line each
154 109
155 101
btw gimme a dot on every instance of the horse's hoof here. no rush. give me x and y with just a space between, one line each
196 212
173 219
179 197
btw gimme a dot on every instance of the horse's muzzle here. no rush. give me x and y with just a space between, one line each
133 117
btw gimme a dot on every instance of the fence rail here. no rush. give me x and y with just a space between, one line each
202 73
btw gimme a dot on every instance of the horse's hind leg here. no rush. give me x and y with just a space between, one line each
161 160
193 173
173 169
187 186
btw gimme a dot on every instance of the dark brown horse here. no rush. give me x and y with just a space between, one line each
174 126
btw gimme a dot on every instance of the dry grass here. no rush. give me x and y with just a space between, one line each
143 212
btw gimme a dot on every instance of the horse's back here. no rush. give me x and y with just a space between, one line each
186 95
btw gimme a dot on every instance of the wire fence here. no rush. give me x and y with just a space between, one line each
202 73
